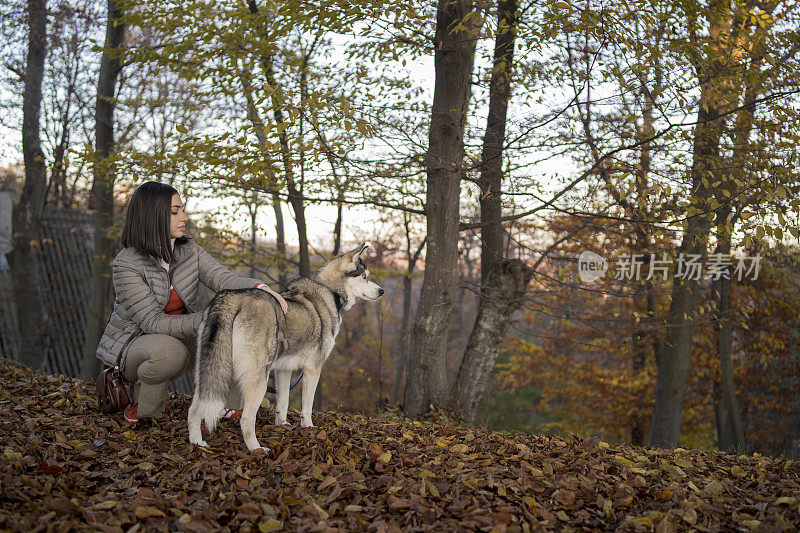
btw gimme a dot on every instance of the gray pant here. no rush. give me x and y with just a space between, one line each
152 361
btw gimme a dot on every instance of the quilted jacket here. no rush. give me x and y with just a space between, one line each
141 286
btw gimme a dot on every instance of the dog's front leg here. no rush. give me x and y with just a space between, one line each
282 379
310 380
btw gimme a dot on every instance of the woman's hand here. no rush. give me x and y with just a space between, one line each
284 305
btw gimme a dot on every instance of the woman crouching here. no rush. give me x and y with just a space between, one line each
152 330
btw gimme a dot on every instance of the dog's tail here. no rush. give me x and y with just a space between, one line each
214 366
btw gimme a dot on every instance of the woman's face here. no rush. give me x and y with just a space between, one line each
177 221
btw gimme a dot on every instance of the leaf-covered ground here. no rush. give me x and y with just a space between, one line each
65 467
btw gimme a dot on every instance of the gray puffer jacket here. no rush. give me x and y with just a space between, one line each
141 286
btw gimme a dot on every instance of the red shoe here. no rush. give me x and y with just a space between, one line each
230 413
131 412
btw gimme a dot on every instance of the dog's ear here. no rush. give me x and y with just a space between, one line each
356 254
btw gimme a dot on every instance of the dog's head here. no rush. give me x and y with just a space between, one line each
348 276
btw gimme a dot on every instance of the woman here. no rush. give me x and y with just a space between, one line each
153 327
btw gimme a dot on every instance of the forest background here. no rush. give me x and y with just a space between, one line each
480 147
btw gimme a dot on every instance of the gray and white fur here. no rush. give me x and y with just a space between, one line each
244 335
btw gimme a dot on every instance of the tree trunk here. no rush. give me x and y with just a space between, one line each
466 279
491 177
675 360
640 352
296 199
453 61
295 195
253 229
732 418
642 245
258 126
58 172
401 353
103 189
27 217
337 227
340 188
280 242
724 433
638 361
717 74
495 306
730 428
503 293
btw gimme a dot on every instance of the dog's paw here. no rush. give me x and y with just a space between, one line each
201 443
260 450
308 424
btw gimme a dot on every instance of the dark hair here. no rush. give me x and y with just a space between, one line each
147 222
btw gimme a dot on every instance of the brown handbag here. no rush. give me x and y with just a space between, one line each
111 391
112 394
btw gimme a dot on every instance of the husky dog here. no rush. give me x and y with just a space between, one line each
244 335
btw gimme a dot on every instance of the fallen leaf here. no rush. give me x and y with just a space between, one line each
690 515
530 501
267 509
608 507
714 488
270 525
398 503
63 506
385 457
106 505
564 497
791 501
353 509
430 487
145 512
664 495
323 514
327 482
11 454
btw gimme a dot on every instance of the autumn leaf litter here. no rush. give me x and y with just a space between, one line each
66 467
